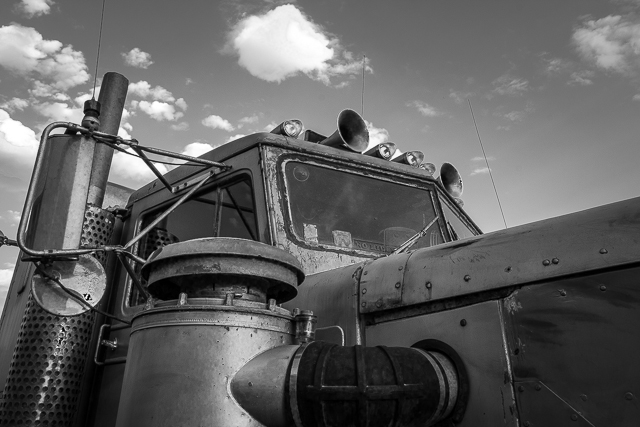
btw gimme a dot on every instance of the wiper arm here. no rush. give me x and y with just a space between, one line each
412 240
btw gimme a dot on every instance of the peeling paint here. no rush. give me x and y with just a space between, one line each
511 304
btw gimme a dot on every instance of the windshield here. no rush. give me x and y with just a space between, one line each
338 209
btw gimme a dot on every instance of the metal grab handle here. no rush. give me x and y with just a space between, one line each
106 343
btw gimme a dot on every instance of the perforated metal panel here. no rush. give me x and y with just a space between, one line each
46 372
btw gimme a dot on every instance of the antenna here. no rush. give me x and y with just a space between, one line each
487 162
95 77
364 61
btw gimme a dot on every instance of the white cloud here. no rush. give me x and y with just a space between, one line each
481 159
217 122
376 135
13 216
636 97
144 90
33 8
60 111
5 281
611 43
283 42
180 103
234 137
509 85
515 116
249 120
137 58
180 126
581 78
460 97
24 51
159 111
18 143
196 149
555 66
130 169
14 104
479 171
424 108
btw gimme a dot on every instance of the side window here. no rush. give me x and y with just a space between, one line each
224 211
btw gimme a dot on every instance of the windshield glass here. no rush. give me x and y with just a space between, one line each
338 209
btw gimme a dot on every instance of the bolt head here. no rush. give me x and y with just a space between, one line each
574 417
563 292
555 261
364 304
604 251
364 291
467 278
520 389
628 396
428 285
398 285
463 322
603 288
546 262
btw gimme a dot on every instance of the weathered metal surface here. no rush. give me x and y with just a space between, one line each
577 340
594 239
112 97
260 387
334 298
201 263
332 385
476 334
381 283
181 360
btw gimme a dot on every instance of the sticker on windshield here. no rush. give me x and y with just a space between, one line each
342 239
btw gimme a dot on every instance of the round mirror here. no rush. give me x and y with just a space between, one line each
85 278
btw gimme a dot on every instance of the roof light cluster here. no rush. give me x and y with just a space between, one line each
352 135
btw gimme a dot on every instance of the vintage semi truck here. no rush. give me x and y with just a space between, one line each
294 279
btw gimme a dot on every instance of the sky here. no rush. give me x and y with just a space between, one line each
554 86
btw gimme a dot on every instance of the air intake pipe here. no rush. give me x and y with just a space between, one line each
323 384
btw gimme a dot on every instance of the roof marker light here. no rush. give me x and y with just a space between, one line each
430 168
291 128
411 158
386 150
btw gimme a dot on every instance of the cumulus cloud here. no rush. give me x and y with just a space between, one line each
60 111
424 108
180 103
611 43
132 170
234 137
283 42
196 149
144 90
376 135
24 51
515 116
14 104
157 110
217 122
510 85
249 120
18 143
180 126
636 97
481 159
33 8
137 58
5 281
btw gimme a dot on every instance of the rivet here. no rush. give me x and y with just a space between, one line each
397 285
563 292
520 389
628 396
378 303
546 262
400 268
555 260
538 387
574 417
364 304
603 288
365 273
583 397
527 424
507 270
604 251
463 322
467 278
428 285
364 291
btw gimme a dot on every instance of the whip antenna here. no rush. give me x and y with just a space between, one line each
364 61
95 77
487 162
